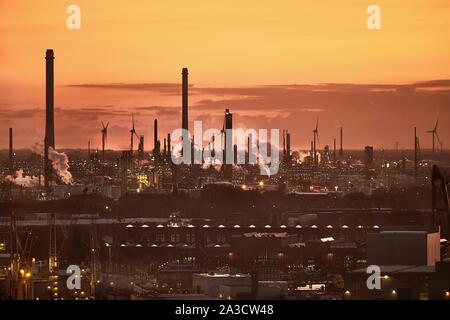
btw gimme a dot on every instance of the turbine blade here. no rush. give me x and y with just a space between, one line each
437 136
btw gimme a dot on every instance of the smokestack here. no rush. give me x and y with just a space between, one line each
334 150
141 148
341 148
185 121
247 160
288 145
11 152
228 148
169 148
415 153
49 140
314 149
155 137
165 146
284 142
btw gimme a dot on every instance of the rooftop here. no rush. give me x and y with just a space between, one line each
394 269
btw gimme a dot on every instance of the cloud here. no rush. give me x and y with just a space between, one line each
377 114
161 88
21 113
161 111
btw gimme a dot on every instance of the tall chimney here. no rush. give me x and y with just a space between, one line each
334 150
247 160
11 152
49 140
228 148
415 153
314 149
155 137
169 148
185 120
288 145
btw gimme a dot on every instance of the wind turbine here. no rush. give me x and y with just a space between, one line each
435 134
104 136
132 132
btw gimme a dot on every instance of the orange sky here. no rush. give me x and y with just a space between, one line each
231 44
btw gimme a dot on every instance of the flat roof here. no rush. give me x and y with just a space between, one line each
400 269
223 275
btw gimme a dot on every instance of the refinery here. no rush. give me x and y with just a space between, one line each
141 226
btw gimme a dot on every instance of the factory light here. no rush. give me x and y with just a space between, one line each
327 239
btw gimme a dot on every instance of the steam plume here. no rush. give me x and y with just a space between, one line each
25 181
60 163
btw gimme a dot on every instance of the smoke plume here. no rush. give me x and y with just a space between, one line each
60 163
25 181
